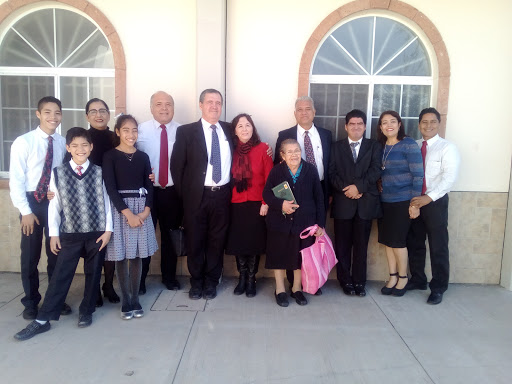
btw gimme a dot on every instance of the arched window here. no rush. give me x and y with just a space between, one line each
51 52
372 63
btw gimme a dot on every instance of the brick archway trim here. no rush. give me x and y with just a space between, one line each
104 24
395 6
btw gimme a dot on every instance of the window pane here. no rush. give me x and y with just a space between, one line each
72 29
73 92
6 155
16 122
326 99
386 97
332 60
415 98
374 131
353 96
72 119
327 123
411 128
15 91
40 86
95 53
102 88
17 53
413 61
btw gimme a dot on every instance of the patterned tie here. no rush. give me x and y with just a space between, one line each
79 170
215 157
424 154
42 186
354 153
164 158
308 148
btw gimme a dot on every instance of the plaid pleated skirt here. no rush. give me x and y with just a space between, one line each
127 242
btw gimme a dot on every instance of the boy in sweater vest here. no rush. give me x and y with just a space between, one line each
79 222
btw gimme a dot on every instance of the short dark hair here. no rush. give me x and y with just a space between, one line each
355 113
46 100
430 110
210 90
94 100
401 130
78 132
119 123
255 138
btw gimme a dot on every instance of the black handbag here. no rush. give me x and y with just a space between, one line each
178 241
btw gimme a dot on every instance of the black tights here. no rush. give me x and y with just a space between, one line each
128 275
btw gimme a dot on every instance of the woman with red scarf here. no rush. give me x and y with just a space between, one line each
247 234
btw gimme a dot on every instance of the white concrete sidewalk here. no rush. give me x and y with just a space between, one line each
231 339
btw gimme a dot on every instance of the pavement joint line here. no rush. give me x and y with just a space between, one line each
403 340
184 347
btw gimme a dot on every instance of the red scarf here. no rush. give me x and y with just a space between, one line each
241 166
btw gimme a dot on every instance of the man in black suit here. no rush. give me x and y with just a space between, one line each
200 167
315 144
355 167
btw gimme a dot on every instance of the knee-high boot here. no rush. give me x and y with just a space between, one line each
252 268
242 280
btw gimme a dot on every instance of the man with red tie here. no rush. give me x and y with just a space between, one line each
441 164
156 139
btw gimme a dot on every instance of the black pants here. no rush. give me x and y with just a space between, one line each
432 222
65 268
168 212
206 236
351 246
31 253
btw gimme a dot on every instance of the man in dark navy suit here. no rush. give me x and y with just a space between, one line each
315 144
355 167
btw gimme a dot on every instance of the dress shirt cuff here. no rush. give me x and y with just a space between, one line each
53 232
435 195
25 209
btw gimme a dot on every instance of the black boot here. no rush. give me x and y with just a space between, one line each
252 267
242 280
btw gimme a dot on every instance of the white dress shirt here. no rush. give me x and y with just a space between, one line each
441 166
149 142
357 147
225 155
55 207
28 154
314 136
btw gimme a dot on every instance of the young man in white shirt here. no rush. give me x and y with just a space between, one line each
441 164
33 156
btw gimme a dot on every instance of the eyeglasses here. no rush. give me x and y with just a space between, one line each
94 112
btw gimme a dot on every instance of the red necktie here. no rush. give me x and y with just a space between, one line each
164 158
42 185
79 170
424 154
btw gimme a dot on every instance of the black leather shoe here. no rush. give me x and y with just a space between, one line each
299 297
172 285
99 301
195 293
84 321
142 287
319 292
111 295
34 328
209 293
281 299
399 291
360 291
435 298
389 290
348 289
30 313
411 286
66 310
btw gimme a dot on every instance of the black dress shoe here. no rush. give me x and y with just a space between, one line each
400 291
389 290
281 299
142 287
435 298
84 321
66 310
360 291
172 285
30 313
319 292
411 286
32 329
195 293
111 295
348 289
99 300
209 293
299 297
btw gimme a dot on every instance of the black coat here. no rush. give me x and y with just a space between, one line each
308 194
363 174
189 162
325 138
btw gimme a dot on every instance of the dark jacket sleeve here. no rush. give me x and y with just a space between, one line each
268 195
109 177
179 159
318 195
335 178
277 155
148 184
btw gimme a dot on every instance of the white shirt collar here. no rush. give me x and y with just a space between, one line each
432 140
84 165
208 125
350 141
157 124
302 131
43 134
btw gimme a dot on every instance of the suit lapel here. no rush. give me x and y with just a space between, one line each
347 151
365 145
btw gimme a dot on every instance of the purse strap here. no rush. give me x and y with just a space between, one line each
311 231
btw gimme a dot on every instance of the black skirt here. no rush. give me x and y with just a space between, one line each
283 250
394 224
247 231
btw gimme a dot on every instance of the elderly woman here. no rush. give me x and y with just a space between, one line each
247 233
287 219
402 179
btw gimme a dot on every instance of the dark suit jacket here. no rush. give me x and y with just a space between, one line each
325 138
363 174
308 194
189 162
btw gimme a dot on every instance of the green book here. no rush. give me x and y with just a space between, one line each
284 192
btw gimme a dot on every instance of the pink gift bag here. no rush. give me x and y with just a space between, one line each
317 261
